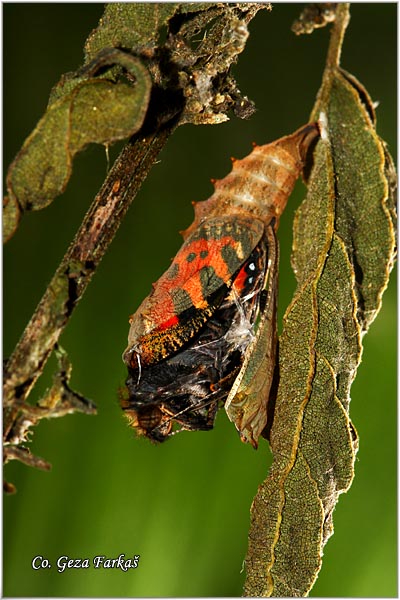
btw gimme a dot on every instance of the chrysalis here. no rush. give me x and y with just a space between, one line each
206 334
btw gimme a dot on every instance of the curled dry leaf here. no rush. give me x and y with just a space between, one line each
188 49
83 110
315 15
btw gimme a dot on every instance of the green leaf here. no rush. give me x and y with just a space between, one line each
129 25
363 210
11 217
343 251
87 111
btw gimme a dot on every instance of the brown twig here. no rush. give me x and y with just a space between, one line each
75 272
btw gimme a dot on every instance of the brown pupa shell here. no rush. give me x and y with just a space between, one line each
261 183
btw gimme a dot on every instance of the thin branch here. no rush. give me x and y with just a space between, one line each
76 270
337 35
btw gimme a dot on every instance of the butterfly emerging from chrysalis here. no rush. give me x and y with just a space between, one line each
206 334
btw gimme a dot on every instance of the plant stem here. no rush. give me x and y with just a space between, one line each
76 270
337 35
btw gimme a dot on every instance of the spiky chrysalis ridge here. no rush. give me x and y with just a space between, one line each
261 183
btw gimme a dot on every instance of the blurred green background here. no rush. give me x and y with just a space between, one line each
183 506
